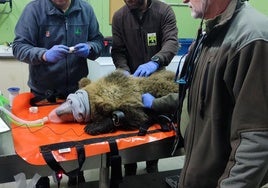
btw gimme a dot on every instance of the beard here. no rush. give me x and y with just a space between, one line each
134 5
199 11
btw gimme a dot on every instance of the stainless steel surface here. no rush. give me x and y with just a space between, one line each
11 164
6 52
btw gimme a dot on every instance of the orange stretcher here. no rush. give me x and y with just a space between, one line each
62 139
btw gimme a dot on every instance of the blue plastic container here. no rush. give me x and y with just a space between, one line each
184 44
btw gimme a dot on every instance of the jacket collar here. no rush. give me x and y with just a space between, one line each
223 18
149 4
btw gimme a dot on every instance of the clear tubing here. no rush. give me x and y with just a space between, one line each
19 121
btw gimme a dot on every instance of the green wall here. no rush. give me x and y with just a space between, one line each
187 26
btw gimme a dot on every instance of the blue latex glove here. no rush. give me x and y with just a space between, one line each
56 53
126 73
82 50
146 69
147 100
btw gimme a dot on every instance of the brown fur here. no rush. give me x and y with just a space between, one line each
117 91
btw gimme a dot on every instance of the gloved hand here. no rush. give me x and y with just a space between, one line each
147 100
56 53
126 73
146 69
82 50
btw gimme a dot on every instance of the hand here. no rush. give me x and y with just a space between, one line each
82 50
56 53
146 69
126 73
147 100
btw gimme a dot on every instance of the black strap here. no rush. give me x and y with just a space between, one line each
70 144
51 162
46 150
55 166
144 128
115 162
115 159
166 122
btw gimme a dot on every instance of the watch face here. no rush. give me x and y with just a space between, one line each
155 58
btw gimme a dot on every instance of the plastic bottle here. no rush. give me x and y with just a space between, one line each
13 92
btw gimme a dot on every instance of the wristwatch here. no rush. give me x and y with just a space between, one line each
155 59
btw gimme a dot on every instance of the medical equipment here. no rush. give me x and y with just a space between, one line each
21 122
4 103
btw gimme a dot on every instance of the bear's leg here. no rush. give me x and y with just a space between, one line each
104 125
134 118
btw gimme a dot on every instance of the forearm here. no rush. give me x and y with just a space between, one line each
27 53
119 51
170 44
166 103
250 165
119 59
96 46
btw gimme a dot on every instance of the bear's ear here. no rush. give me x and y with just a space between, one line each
83 82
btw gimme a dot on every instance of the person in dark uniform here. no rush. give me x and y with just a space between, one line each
144 40
56 37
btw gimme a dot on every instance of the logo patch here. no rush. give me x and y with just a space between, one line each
78 31
151 39
47 34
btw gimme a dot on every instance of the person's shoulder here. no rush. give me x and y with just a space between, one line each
159 3
34 6
250 19
35 3
247 25
122 10
160 6
256 16
83 3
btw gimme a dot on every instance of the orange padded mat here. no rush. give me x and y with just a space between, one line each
27 140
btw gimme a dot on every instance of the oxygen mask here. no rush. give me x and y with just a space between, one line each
62 113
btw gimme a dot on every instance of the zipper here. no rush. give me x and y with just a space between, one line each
198 66
204 90
144 42
190 135
141 31
66 23
66 63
